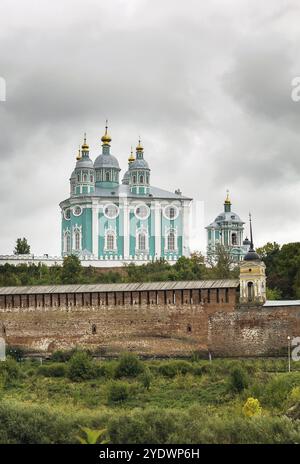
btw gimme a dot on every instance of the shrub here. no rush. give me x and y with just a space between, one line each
53 370
150 426
10 370
172 368
81 367
62 356
129 366
238 380
146 378
118 392
252 407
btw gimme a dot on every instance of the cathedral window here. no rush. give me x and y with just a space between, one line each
142 241
77 240
171 212
171 241
92 179
111 211
77 210
142 211
110 240
67 242
134 179
233 239
141 179
107 176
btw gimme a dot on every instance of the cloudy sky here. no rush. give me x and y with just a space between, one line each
207 85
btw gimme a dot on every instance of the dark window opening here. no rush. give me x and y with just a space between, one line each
189 328
250 291
94 329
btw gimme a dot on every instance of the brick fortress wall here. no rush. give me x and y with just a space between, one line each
150 323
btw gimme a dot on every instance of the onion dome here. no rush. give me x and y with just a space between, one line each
85 146
126 178
106 138
78 157
252 256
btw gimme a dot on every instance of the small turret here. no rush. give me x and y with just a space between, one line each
252 277
139 173
106 165
126 177
83 177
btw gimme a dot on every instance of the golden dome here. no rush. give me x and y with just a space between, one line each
78 156
106 138
131 157
227 200
85 146
139 147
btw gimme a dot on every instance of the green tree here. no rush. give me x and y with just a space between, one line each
71 270
81 367
22 247
222 265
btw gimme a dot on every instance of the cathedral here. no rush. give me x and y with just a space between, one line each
115 222
227 230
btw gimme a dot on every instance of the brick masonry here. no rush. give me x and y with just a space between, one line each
150 323
160 323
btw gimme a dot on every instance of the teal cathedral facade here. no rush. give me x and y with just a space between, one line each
108 220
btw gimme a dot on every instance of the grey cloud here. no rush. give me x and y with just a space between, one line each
206 85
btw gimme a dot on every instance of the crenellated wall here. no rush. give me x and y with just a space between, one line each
152 322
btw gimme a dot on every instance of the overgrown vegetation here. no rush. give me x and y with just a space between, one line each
129 400
282 268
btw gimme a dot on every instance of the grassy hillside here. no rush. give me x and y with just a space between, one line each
171 401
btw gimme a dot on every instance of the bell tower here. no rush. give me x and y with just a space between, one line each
252 277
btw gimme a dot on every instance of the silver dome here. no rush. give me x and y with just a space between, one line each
125 180
106 161
228 216
139 164
85 163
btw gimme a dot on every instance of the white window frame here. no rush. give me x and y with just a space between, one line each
144 231
108 232
67 245
176 210
77 230
167 232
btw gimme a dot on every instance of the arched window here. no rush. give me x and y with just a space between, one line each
141 179
77 240
67 242
84 178
134 179
142 241
78 177
110 241
234 239
92 179
171 241
250 291
107 176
